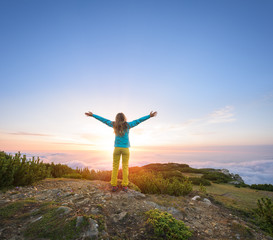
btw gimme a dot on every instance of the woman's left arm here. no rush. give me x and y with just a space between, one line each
140 120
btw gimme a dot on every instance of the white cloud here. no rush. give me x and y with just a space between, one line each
29 134
192 131
222 115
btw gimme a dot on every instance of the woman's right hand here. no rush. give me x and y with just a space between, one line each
89 114
153 114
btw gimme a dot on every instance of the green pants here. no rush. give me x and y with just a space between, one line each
118 151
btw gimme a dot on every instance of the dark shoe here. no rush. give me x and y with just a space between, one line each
125 188
114 188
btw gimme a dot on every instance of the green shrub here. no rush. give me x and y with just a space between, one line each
202 190
191 170
265 187
6 170
165 226
151 182
264 214
59 170
17 170
95 175
197 181
239 185
172 174
165 166
217 177
178 187
73 175
146 181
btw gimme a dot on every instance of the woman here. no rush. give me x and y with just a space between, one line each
122 144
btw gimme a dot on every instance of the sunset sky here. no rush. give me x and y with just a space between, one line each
205 66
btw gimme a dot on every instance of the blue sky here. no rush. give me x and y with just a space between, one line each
205 66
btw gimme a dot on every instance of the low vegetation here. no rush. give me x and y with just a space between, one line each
151 182
59 170
18 171
217 177
198 181
154 178
49 222
73 175
94 175
264 215
265 187
165 226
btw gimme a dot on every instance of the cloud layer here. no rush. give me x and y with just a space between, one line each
253 163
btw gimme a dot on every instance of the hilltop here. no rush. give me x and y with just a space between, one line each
165 201
82 209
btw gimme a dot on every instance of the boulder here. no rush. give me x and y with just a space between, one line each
119 217
207 201
66 210
196 198
92 231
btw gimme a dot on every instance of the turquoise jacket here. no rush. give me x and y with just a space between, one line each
122 141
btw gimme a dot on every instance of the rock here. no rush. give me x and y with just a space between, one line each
66 210
55 191
37 219
41 197
237 235
122 215
198 224
67 194
237 179
196 198
135 194
235 222
214 224
92 230
207 201
119 217
154 205
77 198
225 171
209 232
94 210
108 196
18 196
3 201
83 202
104 235
173 210
79 221
235 182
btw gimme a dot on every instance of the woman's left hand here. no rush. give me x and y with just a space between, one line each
153 114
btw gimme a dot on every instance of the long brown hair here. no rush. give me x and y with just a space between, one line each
120 125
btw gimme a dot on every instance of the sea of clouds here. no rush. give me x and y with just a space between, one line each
253 163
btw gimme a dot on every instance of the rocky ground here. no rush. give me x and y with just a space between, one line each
100 214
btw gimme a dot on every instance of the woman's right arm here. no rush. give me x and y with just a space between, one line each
103 120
